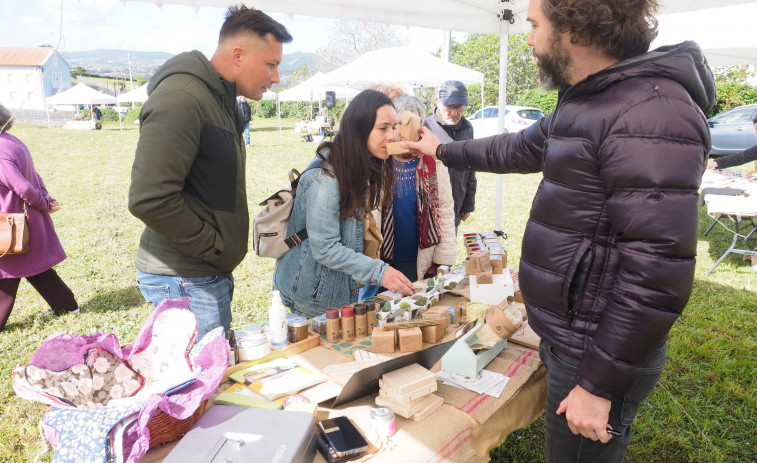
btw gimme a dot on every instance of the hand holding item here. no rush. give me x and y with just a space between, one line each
396 282
54 206
587 414
427 143
712 164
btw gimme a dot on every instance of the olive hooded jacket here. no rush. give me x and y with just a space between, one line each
188 177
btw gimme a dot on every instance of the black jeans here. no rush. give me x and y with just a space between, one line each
562 446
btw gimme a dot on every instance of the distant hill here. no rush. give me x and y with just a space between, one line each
116 62
145 63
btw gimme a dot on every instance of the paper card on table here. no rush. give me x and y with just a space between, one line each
239 394
277 378
486 382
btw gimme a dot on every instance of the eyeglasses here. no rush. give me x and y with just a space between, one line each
455 108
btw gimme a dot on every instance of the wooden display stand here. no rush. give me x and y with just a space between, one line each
461 359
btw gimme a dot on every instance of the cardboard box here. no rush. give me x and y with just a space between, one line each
410 339
484 278
477 262
382 340
432 334
497 263
437 311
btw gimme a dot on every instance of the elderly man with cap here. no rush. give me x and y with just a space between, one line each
448 124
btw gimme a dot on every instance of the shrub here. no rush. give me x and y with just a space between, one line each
538 98
732 94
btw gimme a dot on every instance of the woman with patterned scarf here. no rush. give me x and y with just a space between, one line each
418 224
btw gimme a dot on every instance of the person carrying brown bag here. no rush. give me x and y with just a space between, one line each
19 184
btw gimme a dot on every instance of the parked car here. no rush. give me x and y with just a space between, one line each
484 121
732 131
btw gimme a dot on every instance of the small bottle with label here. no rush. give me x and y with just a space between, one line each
370 315
361 321
332 324
348 323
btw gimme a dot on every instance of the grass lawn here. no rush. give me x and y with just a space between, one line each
703 410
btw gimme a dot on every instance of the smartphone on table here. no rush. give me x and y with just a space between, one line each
343 437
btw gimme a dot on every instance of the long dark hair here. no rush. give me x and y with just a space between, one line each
363 178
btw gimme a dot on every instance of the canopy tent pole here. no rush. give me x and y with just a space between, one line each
498 196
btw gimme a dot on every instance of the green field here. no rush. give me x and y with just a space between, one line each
703 410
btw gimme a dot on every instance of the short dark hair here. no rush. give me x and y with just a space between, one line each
364 180
754 121
6 119
251 21
621 28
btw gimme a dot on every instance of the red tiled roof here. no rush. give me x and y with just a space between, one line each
24 56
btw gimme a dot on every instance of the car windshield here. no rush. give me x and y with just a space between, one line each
734 117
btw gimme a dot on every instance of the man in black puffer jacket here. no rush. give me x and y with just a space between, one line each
608 252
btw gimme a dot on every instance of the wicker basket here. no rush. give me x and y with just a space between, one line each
165 428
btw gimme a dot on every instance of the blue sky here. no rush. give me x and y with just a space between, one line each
113 24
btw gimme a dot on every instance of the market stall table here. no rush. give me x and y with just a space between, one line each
733 199
464 429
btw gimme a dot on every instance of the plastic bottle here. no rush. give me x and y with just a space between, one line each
277 322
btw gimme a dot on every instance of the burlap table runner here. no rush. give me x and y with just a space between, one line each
516 362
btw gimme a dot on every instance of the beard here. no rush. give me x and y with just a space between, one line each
553 65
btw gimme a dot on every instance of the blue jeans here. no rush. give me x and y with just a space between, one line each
247 133
209 297
562 446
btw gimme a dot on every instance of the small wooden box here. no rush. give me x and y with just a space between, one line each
432 334
410 339
382 340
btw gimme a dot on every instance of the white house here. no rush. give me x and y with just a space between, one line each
28 75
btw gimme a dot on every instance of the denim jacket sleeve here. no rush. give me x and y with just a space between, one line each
325 230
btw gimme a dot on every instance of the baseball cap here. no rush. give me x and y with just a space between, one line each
453 92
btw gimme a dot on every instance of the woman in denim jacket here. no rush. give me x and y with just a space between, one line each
324 270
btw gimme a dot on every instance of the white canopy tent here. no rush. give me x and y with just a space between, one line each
400 65
80 94
500 17
314 89
138 95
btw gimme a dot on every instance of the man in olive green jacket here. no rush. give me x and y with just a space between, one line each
188 177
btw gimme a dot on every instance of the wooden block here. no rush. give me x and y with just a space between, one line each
409 399
484 278
433 334
430 400
432 403
408 377
410 339
382 340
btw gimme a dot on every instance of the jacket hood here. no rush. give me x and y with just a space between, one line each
193 63
683 63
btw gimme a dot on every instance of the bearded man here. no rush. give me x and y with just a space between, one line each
609 250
